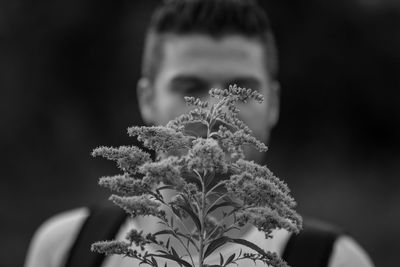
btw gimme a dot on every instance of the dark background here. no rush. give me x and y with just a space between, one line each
68 71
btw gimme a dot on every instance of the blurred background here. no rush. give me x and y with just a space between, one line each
68 71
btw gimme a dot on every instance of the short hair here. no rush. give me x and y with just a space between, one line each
215 18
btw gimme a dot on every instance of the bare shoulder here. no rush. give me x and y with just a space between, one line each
347 252
54 237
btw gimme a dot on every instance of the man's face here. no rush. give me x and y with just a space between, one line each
193 64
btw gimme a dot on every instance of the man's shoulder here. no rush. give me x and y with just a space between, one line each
54 238
347 252
64 222
324 244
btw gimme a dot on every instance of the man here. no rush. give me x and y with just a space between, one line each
192 46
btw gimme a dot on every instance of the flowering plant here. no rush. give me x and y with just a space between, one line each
214 188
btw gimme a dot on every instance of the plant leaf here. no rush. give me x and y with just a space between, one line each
162 251
176 212
230 259
174 252
216 206
216 244
215 186
248 244
189 238
154 261
192 215
164 232
166 187
174 258
231 228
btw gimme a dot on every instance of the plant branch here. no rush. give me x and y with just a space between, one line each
182 243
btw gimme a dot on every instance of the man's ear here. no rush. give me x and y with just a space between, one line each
145 96
274 103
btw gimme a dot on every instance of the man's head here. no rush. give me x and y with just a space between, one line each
195 45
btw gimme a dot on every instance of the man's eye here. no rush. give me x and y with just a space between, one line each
247 83
192 90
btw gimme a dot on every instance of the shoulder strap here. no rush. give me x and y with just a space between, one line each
103 223
312 247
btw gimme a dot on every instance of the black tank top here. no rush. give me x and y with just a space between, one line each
311 248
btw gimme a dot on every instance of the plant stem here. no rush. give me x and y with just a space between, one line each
183 245
202 216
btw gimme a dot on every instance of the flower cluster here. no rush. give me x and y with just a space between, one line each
192 101
206 156
159 138
256 190
124 185
232 142
238 93
136 237
208 173
266 202
112 247
142 205
128 158
165 171
176 203
198 115
242 166
265 219
269 258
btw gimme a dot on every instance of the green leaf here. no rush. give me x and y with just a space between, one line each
188 238
161 251
248 244
154 261
174 252
209 178
165 187
214 186
176 212
231 228
191 132
165 232
216 206
192 215
174 258
216 244
209 114
230 259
